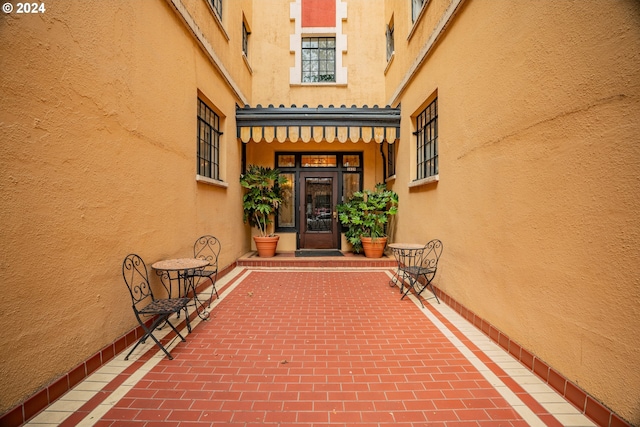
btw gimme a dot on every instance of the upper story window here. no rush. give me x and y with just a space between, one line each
208 142
416 8
217 6
245 39
318 59
427 141
390 46
391 160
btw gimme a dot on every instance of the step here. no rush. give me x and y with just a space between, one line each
289 259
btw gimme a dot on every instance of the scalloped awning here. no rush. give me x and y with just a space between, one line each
318 124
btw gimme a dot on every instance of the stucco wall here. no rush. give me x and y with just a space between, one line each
537 200
98 130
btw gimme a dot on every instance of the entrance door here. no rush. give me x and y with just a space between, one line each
318 221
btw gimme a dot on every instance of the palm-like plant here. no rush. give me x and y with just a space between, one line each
263 196
366 214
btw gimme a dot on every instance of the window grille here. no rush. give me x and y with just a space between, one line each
427 141
208 142
318 59
245 40
217 6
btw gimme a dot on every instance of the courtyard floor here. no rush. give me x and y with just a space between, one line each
316 347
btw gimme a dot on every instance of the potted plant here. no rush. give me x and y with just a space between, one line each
366 215
260 201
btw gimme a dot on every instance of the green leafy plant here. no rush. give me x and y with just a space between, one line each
263 196
367 213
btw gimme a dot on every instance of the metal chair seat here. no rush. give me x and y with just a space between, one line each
165 306
418 270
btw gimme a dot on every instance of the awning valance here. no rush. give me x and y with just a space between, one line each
318 124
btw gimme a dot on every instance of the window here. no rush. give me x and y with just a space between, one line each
245 39
391 160
319 160
208 142
416 8
427 141
318 59
217 7
287 210
390 47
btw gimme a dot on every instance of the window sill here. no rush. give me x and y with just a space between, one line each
246 62
393 55
418 18
211 181
424 181
218 20
318 84
391 178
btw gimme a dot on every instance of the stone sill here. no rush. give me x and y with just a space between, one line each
211 181
424 181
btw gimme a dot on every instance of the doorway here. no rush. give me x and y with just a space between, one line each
318 219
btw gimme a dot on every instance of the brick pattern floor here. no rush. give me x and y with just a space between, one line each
316 347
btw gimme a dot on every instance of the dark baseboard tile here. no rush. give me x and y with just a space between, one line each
585 403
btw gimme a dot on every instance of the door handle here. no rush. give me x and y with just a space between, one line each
335 215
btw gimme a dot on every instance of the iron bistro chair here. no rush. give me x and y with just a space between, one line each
207 247
146 306
420 270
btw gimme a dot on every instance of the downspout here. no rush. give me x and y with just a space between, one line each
384 162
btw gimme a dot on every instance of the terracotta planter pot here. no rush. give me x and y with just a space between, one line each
266 246
373 248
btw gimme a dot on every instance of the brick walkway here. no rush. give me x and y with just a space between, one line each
318 348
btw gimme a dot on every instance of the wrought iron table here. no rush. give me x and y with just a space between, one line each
180 271
415 261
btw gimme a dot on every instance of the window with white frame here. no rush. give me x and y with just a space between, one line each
208 142
427 141
390 45
416 7
318 59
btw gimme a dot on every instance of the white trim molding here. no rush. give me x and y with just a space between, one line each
295 41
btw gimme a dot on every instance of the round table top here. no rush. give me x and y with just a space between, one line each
179 264
406 246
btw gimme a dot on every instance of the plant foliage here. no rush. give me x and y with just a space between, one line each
367 213
262 197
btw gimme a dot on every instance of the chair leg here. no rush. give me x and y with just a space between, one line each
186 317
215 290
430 286
412 283
149 333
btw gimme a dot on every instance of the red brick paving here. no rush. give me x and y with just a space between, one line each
302 348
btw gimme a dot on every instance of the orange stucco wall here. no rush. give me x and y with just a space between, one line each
98 130
537 197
